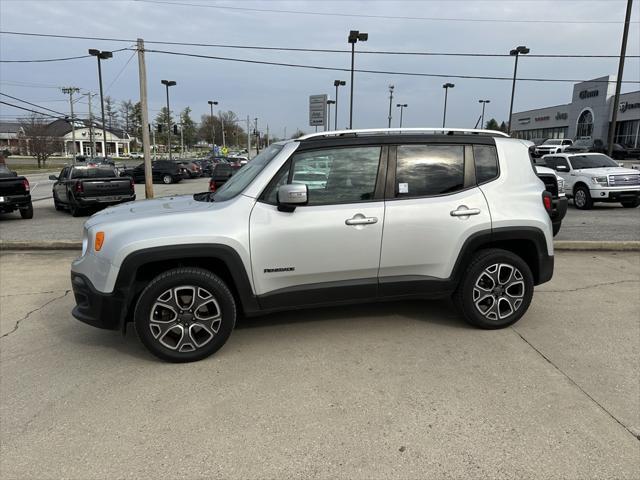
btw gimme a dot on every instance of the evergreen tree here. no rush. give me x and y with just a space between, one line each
188 127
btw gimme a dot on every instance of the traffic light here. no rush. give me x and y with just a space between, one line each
175 129
159 128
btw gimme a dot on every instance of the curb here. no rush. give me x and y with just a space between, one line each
560 245
597 246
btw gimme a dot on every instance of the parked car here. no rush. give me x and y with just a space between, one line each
552 145
162 170
219 176
554 184
314 179
463 216
193 169
205 165
597 146
15 193
595 177
81 189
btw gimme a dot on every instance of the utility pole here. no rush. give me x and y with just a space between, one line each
155 149
257 137
248 137
142 70
92 137
616 98
391 87
224 141
267 135
181 142
70 91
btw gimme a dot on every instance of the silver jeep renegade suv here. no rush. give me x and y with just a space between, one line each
389 214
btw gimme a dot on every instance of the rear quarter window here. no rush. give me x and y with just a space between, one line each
486 159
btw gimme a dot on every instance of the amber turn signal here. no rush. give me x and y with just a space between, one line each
99 241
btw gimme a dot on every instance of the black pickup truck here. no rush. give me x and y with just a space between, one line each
14 193
80 189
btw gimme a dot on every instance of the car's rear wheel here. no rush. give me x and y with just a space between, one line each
75 210
27 213
495 290
582 198
185 314
631 203
167 179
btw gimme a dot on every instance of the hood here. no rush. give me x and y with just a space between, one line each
607 171
149 208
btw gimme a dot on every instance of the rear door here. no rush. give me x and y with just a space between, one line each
328 250
433 205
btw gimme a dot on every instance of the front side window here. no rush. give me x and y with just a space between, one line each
339 175
424 170
486 159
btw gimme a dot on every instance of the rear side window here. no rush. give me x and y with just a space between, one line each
424 170
486 159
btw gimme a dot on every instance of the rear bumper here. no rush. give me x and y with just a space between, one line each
95 308
14 202
112 200
559 209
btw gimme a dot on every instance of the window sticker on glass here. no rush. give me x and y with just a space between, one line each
403 188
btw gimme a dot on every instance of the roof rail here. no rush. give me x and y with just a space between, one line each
373 131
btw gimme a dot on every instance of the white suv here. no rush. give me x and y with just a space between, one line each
552 145
411 213
594 177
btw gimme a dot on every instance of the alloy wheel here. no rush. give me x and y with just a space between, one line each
580 198
499 291
185 318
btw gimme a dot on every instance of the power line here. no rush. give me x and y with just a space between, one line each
32 104
29 110
54 59
383 72
311 50
120 72
384 17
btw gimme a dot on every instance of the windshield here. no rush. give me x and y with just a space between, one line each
592 161
552 142
582 143
93 172
246 174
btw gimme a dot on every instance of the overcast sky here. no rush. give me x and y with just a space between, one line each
279 95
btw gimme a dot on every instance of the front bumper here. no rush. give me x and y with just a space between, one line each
102 310
615 195
14 202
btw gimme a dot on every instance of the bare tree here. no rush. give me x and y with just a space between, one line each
40 143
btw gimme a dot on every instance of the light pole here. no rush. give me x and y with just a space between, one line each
336 83
329 103
391 87
516 52
483 102
446 87
213 126
167 84
354 37
101 56
402 107
257 136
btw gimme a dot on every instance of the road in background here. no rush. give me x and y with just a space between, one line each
394 390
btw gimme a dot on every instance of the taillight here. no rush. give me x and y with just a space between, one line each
546 201
131 182
79 188
212 185
25 184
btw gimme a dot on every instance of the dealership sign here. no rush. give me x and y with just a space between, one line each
562 116
588 94
624 106
317 110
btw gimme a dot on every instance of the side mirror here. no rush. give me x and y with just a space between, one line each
292 196
620 164
562 168
53 177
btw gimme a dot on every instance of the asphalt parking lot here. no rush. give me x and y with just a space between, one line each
606 222
402 390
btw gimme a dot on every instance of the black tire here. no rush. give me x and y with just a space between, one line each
164 344
631 203
75 210
27 213
473 293
167 179
582 198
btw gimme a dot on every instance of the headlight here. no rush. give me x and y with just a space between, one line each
560 185
600 181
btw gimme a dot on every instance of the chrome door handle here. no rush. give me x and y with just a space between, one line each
464 211
359 219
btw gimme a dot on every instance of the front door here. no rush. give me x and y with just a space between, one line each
328 250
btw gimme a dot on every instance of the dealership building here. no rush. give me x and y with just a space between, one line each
587 116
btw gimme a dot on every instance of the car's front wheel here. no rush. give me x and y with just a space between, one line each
495 290
185 314
582 198
167 179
